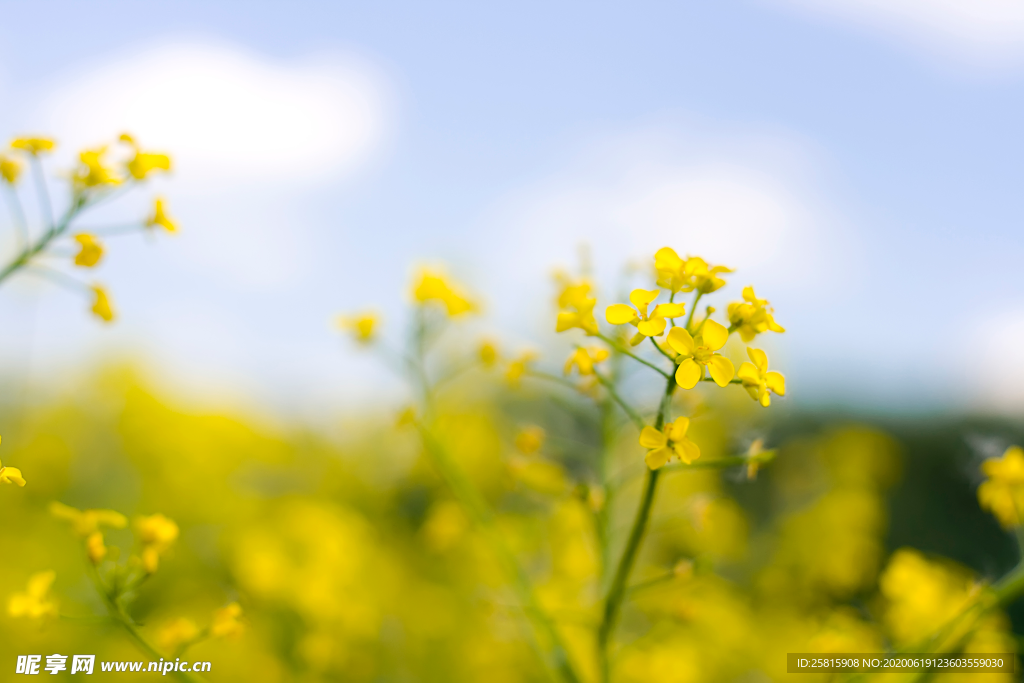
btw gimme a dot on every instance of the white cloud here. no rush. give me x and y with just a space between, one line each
227 115
994 369
742 200
981 33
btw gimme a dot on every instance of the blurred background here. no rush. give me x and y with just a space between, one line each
858 162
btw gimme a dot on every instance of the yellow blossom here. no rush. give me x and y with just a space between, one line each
406 417
226 621
652 325
87 522
34 146
92 172
576 307
752 316
95 548
758 381
363 326
543 476
34 602
10 169
101 304
488 353
1002 493
161 217
11 475
518 367
697 353
155 533
686 275
90 250
529 440
584 359
433 287
669 441
177 632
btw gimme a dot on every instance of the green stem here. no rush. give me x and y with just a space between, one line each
484 519
118 614
662 351
610 388
617 590
52 233
693 309
721 463
626 352
732 381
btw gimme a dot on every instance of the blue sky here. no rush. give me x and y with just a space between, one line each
859 162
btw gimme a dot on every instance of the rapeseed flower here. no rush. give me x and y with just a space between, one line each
177 632
667 442
647 325
529 440
87 522
35 601
576 307
90 250
584 359
101 304
487 352
433 287
227 621
752 316
92 171
518 367
161 217
362 326
758 382
686 275
155 533
11 475
34 146
1002 493
10 169
144 163
698 353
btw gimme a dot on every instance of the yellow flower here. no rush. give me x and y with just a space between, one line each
95 548
87 522
101 304
34 146
758 381
406 417
585 359
90 251
687 275
488 353
543 476
577 307
752 316
1002 493
652 325
363 326
698 353
226 622
160 217
156 533
34 602
665 443
92 172
176 632
517 368
529 440
433 287
10 169
11 475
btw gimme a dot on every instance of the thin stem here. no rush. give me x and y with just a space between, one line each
626 408
626 352
662 351
721 463
617 590
17 215
537 374
732 381
693 309
483 517
29 251
109 230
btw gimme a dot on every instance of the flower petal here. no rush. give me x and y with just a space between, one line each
669 310
652 438
688 373
687 451
715 335
766 399
759 357
677 431
722 369
651 328
658 458
680 340
749 374
641 298
619 314
776 382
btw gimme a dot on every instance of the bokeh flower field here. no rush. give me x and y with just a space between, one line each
629 507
